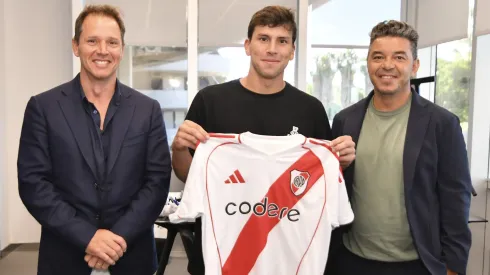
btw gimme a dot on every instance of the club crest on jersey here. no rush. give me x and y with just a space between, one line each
299 181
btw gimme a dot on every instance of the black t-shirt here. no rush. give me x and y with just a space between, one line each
231 108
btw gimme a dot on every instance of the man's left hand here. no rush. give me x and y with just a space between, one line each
449 272
346 149
96 262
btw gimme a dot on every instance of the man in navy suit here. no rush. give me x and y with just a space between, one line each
409 186
94 163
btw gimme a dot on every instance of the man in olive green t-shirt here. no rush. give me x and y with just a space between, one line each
380 231
409 187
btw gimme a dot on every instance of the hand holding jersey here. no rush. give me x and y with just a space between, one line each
346 149
190 133
258 195
188 136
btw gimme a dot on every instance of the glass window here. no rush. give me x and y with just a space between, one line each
427 57
338 77
218 65
161 73
426 90
453 78
222 55
152 23
155 56
339 35
225 23
348 22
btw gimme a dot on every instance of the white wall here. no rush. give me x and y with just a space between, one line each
482 17
37 40
480 152
3 218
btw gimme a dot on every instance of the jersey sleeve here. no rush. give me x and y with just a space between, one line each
192 204
339 209
345 215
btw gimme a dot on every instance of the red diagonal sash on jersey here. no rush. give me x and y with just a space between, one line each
253 237
341 175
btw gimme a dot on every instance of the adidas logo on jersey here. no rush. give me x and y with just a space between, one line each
236 177
262 208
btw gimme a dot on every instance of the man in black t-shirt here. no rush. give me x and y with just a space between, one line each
262 103
233 108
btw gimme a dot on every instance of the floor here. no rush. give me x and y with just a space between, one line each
22 260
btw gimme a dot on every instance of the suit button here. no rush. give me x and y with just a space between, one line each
97 217
96 186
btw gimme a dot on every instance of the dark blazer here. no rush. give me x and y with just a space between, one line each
436 177
56 173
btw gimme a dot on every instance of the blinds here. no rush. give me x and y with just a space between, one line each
152 23
439 21
482 17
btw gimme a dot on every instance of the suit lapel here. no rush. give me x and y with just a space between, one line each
72 108
352 127
353 122
120 124
418 121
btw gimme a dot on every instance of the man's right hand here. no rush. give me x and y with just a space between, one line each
95 262
107 246
188 135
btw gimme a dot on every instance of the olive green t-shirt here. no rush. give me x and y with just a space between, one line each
380 230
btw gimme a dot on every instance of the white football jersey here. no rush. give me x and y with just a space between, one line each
268 203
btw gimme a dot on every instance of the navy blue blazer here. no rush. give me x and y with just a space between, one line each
436 177
56 174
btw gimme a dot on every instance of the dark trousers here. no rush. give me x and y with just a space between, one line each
344 262
196 265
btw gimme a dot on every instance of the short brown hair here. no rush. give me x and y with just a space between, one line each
396 29
273 16
104 10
